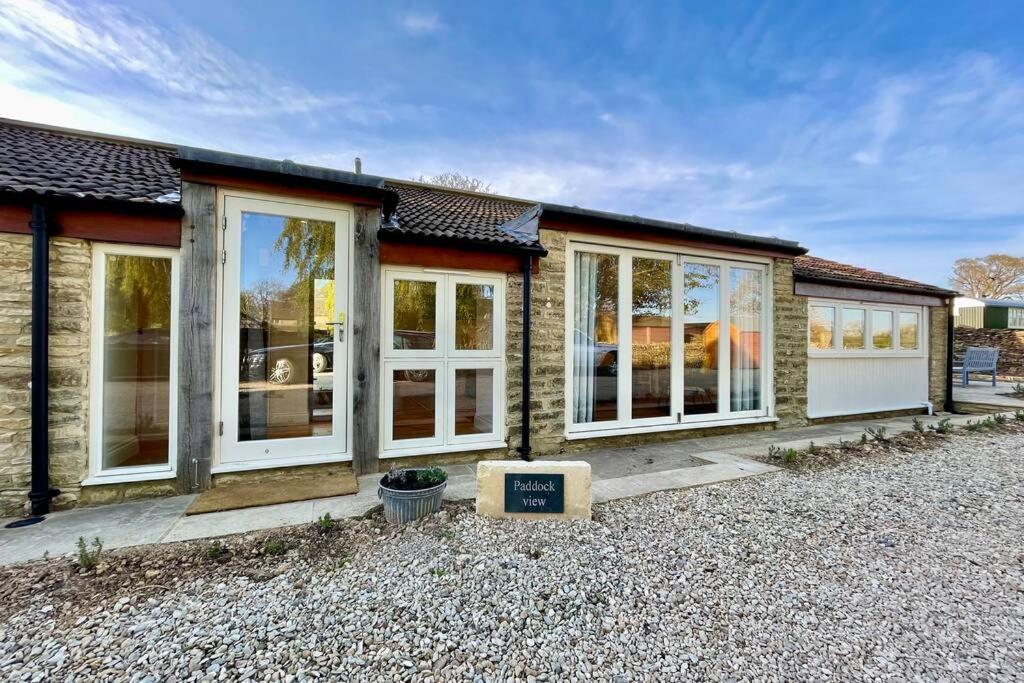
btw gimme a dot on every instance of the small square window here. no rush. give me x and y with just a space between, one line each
823 324
908 330
881 329
853 328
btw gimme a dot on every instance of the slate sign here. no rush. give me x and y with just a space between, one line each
534 492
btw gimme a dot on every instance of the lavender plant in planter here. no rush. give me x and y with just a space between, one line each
411 493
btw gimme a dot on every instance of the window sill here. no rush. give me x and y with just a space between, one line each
126 478
674 427
441 450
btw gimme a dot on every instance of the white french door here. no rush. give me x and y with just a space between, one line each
284 354
661 339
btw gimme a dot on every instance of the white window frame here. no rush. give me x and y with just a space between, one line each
445 358
438 366
869 351
440 314
497 401
626 250
230 455
98 475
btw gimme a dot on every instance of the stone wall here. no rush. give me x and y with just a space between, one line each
70 271
1009 342
547 357
938 364
790 329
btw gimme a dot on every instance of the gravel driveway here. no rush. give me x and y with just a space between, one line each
902 567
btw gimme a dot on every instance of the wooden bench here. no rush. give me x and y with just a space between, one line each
977 359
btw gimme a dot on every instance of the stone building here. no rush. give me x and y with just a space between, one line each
174 318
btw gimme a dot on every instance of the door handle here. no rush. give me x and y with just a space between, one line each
341 329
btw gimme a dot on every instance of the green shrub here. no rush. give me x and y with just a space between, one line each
431 476
918 425
999 419
216 551
812 449
790 455
876 433
945 426
274 547
1019 415
325 523
87 559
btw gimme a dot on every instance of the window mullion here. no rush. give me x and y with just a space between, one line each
625 329
677 351
724 335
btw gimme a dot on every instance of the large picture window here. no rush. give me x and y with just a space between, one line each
658 339
443 361
134 365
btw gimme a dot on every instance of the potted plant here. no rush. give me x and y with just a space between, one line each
411 493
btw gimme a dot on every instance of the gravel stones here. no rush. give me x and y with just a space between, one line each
903 567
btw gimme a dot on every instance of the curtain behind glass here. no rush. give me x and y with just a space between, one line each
745 338
584 337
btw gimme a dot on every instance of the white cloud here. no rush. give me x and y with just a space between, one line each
886 113
68 49
421 23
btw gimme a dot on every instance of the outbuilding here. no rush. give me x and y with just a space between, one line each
991 314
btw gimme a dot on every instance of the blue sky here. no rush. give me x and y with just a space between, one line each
888 135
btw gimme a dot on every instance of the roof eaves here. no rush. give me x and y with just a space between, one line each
171 208
199 159
724 237
390 233
864 284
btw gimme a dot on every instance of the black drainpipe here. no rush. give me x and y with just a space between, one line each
524 448
948 407
41 494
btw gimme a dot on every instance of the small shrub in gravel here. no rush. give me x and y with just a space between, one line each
875 442
876 433
88 559
325 524
217 552
274 547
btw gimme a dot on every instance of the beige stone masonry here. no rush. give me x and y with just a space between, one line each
70 271
490 487
790 341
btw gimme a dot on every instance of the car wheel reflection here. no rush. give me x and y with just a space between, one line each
282 372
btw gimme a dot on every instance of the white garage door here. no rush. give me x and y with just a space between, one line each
865 357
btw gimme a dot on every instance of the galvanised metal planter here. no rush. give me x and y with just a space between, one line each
401 507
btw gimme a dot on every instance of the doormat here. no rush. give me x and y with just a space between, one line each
292 489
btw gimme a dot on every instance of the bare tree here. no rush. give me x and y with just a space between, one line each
456 181
996 276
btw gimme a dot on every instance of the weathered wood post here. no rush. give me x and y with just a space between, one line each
196 345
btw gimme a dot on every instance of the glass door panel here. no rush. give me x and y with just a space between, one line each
652 338
285 299
701 313
286 343
595 359
745 338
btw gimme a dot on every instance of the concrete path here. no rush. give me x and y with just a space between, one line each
982 394
617 473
